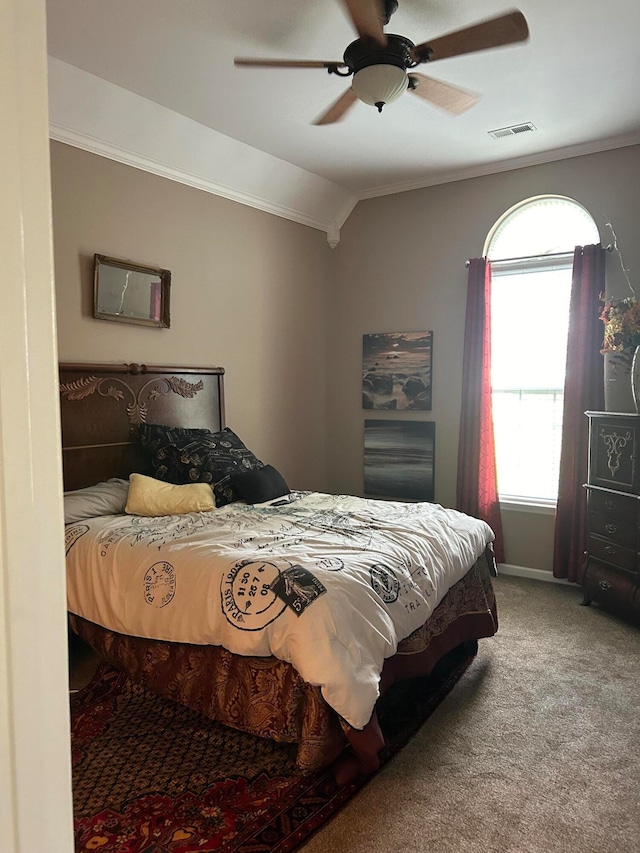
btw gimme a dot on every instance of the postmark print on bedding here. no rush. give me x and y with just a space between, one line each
72 534
159 584
384 582
248 600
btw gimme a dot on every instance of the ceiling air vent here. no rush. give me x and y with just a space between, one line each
513 130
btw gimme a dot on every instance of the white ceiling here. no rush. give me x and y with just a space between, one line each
576 80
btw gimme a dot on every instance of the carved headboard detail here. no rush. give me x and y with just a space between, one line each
137 408
101 406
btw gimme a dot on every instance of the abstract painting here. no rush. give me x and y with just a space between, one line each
399 459
396 370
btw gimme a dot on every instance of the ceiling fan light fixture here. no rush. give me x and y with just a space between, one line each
378 85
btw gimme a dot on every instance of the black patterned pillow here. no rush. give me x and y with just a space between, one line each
155 436
209 458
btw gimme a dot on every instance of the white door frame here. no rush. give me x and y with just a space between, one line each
35 777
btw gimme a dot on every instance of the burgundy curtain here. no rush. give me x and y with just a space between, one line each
583 391
477 492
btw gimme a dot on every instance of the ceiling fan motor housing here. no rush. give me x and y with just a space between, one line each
364 52
390 6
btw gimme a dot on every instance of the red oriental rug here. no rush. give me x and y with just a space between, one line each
150 776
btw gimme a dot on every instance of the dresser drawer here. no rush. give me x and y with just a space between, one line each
623 558
620 507
610 588
617 531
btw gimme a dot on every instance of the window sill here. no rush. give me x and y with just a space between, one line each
530 505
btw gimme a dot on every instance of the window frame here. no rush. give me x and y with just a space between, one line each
559 261
530 264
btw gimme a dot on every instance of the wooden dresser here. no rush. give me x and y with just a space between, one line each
612 566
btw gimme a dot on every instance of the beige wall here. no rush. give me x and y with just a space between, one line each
248 293
268 300
400 266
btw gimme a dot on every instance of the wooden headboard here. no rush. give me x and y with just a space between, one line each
101 406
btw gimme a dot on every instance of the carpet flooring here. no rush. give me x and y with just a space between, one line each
536 750
150 776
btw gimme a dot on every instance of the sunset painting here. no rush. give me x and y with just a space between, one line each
396 370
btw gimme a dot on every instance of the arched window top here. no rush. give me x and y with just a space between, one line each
544 225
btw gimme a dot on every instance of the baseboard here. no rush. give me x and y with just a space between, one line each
524 572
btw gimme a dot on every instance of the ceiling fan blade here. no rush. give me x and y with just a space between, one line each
287 63
368 17
496 32
337 110
450 98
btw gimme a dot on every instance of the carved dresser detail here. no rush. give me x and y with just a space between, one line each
612 566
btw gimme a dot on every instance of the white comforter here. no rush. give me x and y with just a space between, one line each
328 583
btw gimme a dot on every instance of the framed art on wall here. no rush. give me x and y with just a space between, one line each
399 459
396 370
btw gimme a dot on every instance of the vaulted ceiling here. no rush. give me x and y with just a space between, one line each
114 64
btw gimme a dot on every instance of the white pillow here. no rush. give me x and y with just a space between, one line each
107 498
151 497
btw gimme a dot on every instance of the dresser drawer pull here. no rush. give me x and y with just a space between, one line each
610 504
611 528
610 550
604 585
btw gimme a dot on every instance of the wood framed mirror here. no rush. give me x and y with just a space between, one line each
128 292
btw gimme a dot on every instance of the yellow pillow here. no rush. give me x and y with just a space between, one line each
151 497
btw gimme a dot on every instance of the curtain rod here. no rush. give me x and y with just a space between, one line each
608 248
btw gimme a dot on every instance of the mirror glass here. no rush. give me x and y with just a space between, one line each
130 293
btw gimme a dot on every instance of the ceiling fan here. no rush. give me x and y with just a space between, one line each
379 61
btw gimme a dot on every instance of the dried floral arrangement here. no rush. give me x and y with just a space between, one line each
621 317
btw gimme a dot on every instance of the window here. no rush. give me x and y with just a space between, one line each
531 249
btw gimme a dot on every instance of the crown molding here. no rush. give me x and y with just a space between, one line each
147 164
155 139
504 166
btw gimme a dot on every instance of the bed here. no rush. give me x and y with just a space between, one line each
325 571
